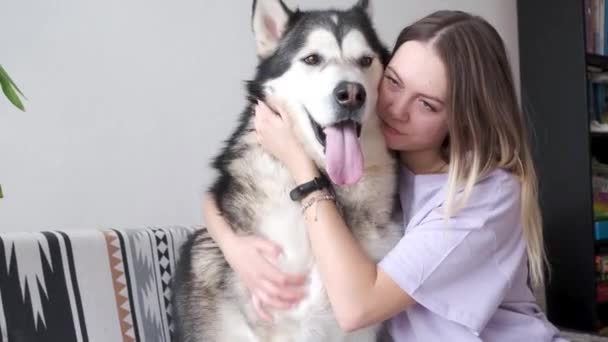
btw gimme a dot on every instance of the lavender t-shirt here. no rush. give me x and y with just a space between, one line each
467 275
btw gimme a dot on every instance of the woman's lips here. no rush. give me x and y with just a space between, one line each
389 129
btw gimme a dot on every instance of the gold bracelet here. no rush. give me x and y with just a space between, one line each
314 201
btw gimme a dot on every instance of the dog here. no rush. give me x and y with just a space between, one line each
325 66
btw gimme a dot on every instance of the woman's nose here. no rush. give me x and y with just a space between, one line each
399 110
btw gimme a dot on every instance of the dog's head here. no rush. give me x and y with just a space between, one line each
326 67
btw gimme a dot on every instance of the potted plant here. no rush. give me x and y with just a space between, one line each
12 92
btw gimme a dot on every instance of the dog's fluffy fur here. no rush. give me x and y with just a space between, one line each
210 302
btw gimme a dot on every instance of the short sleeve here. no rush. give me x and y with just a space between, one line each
461 269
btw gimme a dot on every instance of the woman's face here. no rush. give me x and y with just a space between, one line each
412 99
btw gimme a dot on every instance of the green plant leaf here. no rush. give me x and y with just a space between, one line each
9 87
11 95
4 74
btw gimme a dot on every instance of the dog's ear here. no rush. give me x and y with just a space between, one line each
364 5
269 21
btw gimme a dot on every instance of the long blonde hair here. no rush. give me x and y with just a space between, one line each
486 127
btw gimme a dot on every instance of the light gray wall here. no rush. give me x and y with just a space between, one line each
128 101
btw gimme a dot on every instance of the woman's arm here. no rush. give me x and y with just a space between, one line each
360 293
218 228
254 260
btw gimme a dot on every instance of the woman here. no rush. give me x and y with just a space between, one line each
468 191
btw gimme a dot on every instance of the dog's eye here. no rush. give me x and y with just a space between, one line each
313 59
365 61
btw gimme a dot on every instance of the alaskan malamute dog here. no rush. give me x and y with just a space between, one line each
325 66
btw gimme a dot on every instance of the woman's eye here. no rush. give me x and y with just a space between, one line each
313 59
427 106
391 80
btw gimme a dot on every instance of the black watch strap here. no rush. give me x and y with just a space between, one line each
302 190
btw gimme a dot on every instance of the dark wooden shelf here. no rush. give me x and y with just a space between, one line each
601 247
598 61
599 135
552 37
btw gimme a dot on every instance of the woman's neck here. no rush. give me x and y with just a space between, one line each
423 162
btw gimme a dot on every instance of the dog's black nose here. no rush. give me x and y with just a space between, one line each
350 95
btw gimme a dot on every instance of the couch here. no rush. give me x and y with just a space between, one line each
97 285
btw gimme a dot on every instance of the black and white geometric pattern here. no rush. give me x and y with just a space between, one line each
59 286
164 264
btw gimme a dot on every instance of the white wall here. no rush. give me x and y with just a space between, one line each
128 101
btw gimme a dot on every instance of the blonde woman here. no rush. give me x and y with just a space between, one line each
473 239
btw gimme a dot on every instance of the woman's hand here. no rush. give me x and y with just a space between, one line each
275 134
255 260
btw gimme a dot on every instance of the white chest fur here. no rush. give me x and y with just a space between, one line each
283 223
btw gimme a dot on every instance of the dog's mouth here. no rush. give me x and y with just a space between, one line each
320 131
343 154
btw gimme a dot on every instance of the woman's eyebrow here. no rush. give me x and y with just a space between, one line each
394 73
436 99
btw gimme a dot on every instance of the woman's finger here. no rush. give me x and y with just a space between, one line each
258 120
287 295
279 107
280 278
267 247
275 104
267 299
272 110
263 110
259 309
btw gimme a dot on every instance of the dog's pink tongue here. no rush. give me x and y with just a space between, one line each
343 153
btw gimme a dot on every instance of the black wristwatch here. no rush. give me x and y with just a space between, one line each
302 190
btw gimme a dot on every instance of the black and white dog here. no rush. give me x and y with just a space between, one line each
325 66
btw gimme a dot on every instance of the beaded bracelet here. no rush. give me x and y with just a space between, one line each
314 200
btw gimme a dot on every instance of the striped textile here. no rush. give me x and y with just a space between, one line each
88 286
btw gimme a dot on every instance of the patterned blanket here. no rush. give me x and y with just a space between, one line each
91 285
110 285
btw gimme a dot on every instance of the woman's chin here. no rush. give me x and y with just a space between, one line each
391 142
392 139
